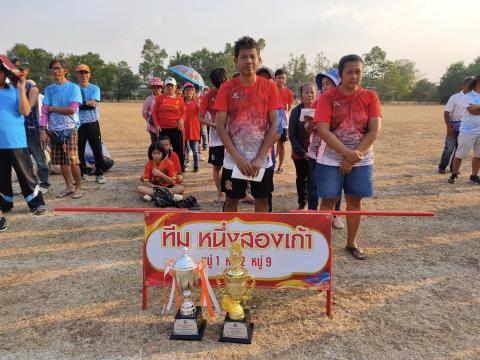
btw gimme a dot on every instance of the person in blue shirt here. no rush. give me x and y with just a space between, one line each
60 114
89 126
13 147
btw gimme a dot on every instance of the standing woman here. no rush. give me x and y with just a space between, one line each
14 152
348 119
156 85
168 117
60 114
296 133
192 124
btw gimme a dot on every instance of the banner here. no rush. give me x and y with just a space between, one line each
280 250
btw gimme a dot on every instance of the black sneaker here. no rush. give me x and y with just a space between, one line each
442 171
39 210
3 223
453 178
475 179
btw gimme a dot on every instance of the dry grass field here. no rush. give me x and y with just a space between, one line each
70 283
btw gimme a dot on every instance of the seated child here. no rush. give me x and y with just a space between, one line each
159 171
172 155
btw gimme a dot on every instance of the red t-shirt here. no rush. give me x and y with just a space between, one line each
173 157
167 111
207 103
287 98
247 108
348 116
192 123
166 166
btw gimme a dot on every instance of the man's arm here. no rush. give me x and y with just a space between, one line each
204 120
62 110
474 109
23 104
242 164
33 96
267 143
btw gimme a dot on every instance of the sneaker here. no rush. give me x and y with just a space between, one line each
39 210
453 178
3 223
475 179
177 197
338 223
44 190
84 177
147 198
196 170
442 171
100 179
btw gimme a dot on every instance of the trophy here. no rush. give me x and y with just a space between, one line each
189 323
237 285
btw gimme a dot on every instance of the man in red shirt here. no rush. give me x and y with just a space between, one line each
287 100
250 104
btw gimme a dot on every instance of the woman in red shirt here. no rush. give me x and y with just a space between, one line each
192 124
348 120
168 116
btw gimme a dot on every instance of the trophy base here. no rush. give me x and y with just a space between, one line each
189 327
237 331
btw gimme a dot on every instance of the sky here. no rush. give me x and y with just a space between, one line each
433 34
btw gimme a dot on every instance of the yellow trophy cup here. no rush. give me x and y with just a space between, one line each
236 285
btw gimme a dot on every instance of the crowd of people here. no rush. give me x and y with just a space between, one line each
245 121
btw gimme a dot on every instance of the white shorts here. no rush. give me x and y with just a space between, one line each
467 142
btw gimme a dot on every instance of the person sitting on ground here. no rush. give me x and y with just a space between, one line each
159 171
156 85
172 155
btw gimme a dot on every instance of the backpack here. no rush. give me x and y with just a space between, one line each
163 197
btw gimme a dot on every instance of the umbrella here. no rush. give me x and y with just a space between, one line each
188 73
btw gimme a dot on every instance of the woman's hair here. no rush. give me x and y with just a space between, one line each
165 137
346 59
218 76
473 83
156 146
246 42
300 89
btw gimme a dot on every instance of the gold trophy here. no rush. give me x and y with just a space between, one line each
237 285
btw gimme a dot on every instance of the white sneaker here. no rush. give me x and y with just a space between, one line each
338 223
147 198
177 197
100 179
44 190
84 177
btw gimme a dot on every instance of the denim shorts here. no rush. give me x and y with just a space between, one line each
330 181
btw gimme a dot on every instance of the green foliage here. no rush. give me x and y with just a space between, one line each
298 71
153 59
424 90
452 81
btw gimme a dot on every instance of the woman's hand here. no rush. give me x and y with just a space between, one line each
180 124
346 167
353 156
158 130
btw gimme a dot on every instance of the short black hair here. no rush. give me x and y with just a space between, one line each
246 42
473 83
346 59
156 146
165 137
467 80
62 62
218 76
280 72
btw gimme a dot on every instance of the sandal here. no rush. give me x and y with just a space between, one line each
64 193
217 203
78 195
356 252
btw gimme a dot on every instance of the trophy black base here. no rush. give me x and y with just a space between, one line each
237 331
189 327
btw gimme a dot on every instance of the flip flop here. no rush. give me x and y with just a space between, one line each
64 193
356 252
217 203
78 195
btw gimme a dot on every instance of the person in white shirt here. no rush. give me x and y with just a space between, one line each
469 137
453 118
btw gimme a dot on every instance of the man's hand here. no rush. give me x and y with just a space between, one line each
244 166
450 132
21 83
353 156
345 167
256 165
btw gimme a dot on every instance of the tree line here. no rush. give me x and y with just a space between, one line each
393 80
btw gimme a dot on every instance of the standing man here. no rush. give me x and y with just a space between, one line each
14 153
32 127
286 96
453 119
250 104
89 125
60 114
469 137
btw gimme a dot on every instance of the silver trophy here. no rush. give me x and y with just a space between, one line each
189 323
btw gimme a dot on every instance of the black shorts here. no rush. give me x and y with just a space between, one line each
215 155
235 188
283 137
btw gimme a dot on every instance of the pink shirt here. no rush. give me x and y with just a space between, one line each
148 105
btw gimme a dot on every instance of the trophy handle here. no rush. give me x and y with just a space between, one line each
250 286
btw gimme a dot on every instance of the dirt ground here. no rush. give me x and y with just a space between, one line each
70 283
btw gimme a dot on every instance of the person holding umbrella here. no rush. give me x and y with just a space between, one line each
168 117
